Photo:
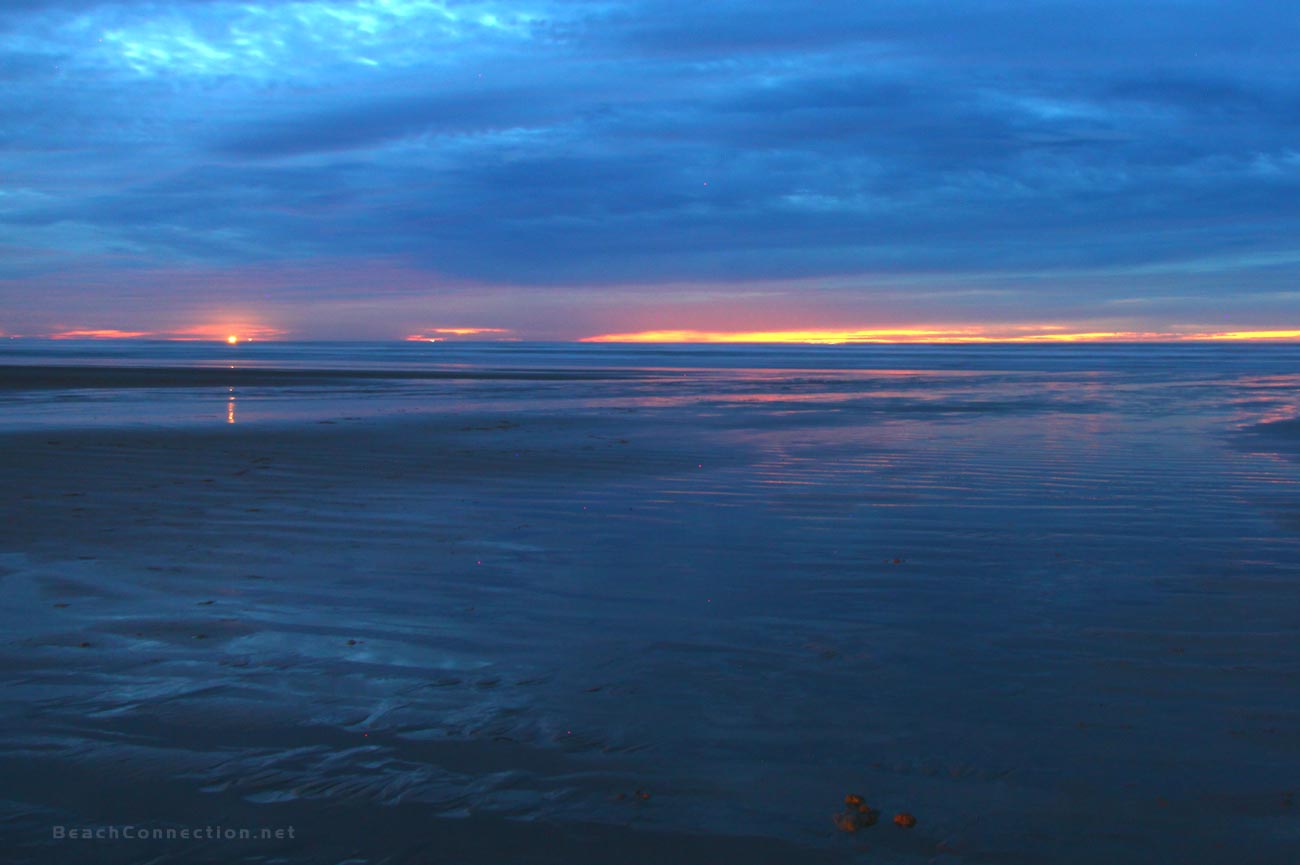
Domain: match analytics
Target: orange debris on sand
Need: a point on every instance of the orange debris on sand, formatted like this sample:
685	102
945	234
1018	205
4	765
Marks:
858	814
907	821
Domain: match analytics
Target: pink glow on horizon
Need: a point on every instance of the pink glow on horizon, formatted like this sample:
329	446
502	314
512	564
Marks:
101	334
201	333
223	333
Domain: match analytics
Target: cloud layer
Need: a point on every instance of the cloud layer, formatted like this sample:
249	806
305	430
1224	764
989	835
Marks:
558	169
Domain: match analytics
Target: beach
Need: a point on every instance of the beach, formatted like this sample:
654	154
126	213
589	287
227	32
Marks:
581	606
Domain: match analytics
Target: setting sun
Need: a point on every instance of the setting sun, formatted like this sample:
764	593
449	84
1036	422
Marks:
232	339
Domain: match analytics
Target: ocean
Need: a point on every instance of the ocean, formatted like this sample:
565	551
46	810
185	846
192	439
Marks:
522	602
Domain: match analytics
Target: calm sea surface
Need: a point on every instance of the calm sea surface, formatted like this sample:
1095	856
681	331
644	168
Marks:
1045	598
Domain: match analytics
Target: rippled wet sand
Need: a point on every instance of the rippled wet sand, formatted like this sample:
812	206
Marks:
670	617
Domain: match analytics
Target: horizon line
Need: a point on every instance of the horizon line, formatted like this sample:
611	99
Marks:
933	335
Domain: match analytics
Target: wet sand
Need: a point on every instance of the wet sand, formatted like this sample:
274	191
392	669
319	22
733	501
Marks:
660	627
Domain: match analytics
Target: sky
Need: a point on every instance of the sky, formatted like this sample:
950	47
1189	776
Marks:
384	169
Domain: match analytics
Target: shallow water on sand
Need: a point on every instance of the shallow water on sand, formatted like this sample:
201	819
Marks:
587	604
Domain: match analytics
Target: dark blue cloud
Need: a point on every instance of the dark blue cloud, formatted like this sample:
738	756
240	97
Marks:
385	118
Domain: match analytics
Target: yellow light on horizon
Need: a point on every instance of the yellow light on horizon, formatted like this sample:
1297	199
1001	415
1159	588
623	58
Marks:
232	339
1042	333
1252	334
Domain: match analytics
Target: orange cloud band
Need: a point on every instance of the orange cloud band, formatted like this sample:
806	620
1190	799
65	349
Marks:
437	333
